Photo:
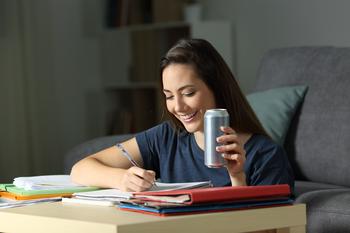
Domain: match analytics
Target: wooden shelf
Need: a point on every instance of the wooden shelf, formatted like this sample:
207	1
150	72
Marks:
133	86
150	26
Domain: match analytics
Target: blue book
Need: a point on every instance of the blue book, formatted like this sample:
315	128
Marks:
166	209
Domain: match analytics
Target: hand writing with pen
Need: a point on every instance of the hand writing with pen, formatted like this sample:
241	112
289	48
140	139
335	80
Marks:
136	179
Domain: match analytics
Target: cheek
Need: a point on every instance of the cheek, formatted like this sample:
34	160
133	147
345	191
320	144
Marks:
210	101
200	100
169	106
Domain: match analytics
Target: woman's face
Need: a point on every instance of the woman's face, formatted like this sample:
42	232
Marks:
187	96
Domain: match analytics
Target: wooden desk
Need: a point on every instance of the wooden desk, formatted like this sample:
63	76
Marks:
68	217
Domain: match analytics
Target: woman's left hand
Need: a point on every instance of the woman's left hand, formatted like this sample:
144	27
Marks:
232	148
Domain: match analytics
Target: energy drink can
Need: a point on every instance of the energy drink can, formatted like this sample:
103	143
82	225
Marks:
213	120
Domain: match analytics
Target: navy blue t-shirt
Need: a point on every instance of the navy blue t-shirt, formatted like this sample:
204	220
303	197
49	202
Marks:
176	157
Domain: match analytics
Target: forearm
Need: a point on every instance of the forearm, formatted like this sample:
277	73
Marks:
238	179
91	172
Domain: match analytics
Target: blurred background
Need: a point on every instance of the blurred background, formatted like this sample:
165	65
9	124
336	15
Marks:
74	70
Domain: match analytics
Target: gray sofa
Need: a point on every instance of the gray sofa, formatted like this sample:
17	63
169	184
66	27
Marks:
318	140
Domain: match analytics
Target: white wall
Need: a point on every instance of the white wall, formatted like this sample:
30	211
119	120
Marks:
48	68
75	69
265	24
14	132
63	71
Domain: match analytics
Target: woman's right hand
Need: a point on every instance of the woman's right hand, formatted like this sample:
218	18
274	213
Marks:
136	179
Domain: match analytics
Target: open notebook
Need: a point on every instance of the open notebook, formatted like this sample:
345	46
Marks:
118	195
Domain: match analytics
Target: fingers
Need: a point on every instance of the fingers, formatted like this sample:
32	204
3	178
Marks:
146	175
232	149
230	142
235	158
227	129
137	179
229	135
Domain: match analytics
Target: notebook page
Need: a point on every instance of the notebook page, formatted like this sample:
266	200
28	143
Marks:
116	193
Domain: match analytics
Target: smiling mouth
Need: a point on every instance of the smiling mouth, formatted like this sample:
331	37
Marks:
188	117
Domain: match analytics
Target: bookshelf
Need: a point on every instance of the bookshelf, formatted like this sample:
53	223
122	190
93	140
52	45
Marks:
129	70
129	64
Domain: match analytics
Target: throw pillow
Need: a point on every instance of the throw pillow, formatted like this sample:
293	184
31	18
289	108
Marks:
275	109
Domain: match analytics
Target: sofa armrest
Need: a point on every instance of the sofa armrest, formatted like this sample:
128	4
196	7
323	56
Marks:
90	147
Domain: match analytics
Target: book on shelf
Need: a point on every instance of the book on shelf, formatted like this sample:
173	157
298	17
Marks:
120	13
168	10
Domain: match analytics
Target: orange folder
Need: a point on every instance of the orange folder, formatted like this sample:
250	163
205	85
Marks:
14	196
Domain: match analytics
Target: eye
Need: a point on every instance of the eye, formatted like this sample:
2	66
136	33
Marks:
189	94
169	97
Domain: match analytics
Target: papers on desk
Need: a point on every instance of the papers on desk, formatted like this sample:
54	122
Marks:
104	194
37	189
115	196
90	201
9	203
160	186
116	193
49	182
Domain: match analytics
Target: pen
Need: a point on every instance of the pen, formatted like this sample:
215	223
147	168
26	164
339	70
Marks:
128	156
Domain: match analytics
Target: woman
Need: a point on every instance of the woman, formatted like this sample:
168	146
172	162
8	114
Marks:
194	78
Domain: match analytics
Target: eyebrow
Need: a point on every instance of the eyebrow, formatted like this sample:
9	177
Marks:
180	89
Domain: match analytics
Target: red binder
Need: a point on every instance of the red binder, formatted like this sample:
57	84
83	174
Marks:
219	194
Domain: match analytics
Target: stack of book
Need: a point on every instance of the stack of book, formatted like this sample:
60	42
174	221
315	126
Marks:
205	200
112	197
36	189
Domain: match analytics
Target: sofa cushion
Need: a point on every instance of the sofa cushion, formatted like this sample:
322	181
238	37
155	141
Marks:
275	109
301	187
317	142
327	210
90	147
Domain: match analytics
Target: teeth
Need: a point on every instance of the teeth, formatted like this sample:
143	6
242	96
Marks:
188	116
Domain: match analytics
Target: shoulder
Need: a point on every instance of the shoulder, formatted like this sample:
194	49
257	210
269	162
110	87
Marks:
262	148
261	143
160	132
162	127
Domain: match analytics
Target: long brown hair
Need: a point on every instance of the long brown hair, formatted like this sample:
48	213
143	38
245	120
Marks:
214	72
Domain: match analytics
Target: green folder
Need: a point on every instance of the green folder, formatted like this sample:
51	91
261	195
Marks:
3	187
22	192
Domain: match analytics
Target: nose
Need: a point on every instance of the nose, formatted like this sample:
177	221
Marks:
179	104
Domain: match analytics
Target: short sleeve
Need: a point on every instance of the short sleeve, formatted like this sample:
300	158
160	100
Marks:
152	143
269	165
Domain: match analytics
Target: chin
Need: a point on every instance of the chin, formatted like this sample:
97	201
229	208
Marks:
192	128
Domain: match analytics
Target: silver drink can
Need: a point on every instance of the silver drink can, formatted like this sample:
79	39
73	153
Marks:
213	120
